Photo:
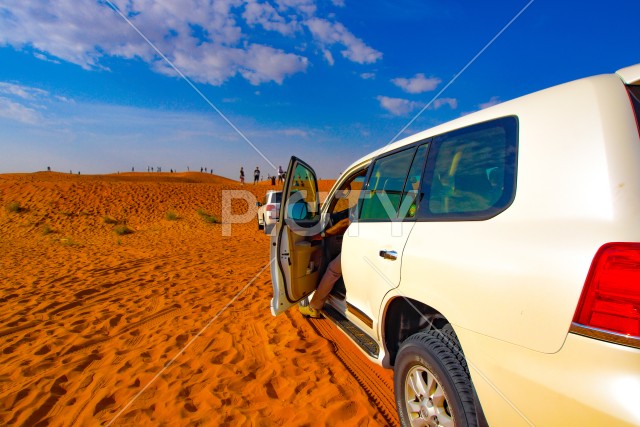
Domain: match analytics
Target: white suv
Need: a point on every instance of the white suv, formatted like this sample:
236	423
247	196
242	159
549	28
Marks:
493	261
269	210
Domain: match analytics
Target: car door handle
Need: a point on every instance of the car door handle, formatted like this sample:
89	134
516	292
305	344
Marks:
392	255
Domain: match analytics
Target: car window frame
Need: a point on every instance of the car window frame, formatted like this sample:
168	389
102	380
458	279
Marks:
634	97
412	146
427	144
511	125
332	200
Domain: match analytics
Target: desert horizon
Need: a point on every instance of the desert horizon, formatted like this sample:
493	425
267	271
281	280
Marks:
125	304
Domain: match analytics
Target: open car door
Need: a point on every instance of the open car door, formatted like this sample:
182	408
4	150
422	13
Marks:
294	257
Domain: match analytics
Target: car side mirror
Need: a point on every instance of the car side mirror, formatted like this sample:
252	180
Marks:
258	204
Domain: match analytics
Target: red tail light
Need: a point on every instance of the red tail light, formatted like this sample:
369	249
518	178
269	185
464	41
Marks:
269	208
610	299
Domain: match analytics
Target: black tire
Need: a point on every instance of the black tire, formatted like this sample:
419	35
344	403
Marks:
432	382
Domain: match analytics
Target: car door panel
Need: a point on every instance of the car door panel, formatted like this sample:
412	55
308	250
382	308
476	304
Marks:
369	276
373	246
294	275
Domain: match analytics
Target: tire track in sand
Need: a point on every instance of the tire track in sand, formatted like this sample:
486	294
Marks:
376	381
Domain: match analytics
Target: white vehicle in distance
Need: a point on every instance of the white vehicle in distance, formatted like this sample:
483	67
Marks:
493	262
269	210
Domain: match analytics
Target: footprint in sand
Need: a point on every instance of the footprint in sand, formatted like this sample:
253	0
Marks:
189	406
104	404
113	322
43	350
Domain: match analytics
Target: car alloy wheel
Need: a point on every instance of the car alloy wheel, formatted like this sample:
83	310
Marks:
432	382
425	399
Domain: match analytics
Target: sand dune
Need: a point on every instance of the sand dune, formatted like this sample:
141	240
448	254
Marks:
168	324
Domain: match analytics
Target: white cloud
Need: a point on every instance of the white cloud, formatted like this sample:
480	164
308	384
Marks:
207	40
329	33
417	84
62	30
338	3
27	104
22	103
24	92
263	63
328	56
398	106
295	132
268	17
305	7
451	102
42	57
14	111
368	76
256	63
64	99
490	103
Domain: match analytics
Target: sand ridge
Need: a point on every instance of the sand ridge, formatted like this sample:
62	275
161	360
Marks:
90	318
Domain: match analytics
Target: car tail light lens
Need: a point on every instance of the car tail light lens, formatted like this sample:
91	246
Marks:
610	299
269	208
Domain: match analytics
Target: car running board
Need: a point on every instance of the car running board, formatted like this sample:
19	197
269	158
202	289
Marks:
368	344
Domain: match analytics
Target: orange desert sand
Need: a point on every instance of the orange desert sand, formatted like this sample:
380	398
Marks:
167	325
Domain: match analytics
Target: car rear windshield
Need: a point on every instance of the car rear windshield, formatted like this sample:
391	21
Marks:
276	197
634	94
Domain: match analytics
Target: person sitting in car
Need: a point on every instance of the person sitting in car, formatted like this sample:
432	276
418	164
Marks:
331	275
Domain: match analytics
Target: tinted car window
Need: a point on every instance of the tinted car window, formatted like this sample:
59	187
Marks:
412	184
381	199
303	198
276	197
471	172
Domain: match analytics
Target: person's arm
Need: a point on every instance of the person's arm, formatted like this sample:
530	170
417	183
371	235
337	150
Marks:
339	228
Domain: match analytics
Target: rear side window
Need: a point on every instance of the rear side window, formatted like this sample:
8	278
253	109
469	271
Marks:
471	172
393	185
634	94
276	197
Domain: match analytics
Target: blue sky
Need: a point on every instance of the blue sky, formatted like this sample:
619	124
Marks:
328	81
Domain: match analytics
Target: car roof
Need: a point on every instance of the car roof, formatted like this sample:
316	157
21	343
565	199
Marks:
629	75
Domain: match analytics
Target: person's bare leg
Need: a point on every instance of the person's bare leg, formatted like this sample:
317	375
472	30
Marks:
330	277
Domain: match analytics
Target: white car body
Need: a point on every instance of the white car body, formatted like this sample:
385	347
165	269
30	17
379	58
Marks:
510	282
269	210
